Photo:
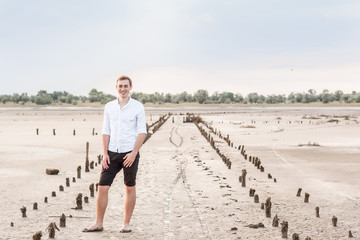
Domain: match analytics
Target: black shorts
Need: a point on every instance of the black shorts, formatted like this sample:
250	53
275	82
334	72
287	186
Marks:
116	164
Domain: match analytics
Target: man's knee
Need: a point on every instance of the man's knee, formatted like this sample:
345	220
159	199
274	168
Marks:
103	189
130	189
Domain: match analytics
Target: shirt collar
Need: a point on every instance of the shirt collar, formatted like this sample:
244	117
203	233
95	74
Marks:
130	99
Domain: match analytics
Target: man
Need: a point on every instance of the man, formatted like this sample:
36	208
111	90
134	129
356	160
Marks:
123	133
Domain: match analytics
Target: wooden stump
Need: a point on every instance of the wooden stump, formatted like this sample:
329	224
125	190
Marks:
37	131
86	199
262	169
284	229
11	224
37	236
269	176
45	200
61	188
251	192
93	131
317	210
99	158
243	178
51	229
74	132
268	207
79	202
306	197
92	165
91	188
350	234
74	179
256	198
23	211
299	192
53	194
295	236
79	172
52	171
87	158
54	132
275	222
63	220
68	182
35	206
334	221
275	180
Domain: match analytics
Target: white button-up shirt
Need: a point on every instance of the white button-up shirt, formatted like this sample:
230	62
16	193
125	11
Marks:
123	124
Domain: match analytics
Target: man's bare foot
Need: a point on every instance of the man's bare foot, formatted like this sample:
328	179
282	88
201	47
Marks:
93	228
125	229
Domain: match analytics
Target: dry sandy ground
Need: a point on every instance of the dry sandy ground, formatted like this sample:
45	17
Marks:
184	190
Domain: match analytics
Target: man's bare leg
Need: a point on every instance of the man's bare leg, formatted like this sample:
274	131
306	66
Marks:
101	204
130	201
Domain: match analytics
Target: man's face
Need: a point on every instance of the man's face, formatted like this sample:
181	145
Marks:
123	88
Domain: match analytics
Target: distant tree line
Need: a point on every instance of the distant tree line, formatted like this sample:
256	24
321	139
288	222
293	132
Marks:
200	96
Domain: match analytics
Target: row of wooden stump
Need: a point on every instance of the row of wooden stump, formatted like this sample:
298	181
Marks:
257	163
74	132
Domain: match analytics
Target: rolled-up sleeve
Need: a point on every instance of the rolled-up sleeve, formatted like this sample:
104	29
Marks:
106	124
141	121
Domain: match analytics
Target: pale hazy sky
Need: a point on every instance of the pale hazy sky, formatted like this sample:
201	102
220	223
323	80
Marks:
174	46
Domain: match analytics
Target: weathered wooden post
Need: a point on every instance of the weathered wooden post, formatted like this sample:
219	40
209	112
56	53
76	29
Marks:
35	206
317	210
334	221
37	131
74	132
23	211
299	192
284	229
308	238
61	188
92	165
262	206
87	158
99	158
269	176
91	187
63	220
51	229
79	172
251	192
93	131
275	222
295	236
54	132
256	198
262	169
268	207
68	182
45	200
11	224
74	179
86	199
243	178
350	234
306	197
53	194
79	202
37	236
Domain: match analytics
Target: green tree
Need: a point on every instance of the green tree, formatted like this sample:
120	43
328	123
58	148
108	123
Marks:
201	95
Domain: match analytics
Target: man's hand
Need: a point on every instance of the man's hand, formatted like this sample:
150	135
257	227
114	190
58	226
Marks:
129	159
106	161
